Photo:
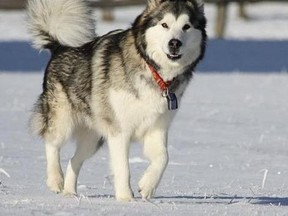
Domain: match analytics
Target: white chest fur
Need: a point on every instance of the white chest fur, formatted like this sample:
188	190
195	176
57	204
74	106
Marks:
137	113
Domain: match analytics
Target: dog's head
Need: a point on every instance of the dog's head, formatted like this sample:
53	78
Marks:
171	33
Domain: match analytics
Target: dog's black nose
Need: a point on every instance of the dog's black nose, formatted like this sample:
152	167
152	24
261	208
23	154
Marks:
175	44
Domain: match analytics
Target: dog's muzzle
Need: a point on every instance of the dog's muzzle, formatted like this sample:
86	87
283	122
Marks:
174	48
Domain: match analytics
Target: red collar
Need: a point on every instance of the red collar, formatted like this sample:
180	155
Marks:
161	83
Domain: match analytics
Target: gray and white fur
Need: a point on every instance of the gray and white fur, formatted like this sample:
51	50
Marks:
100	89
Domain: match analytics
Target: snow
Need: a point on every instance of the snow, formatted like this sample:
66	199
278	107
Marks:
228	154
228	144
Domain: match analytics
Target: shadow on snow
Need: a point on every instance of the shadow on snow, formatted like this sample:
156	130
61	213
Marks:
255	200
221	56
228	200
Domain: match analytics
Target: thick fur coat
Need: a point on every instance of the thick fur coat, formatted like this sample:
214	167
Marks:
100	89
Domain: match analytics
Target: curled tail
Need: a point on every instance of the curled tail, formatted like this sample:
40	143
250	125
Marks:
64	22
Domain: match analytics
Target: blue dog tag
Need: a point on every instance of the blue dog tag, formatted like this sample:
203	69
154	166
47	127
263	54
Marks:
172	101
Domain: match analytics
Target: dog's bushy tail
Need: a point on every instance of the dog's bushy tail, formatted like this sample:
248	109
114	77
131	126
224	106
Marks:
64	22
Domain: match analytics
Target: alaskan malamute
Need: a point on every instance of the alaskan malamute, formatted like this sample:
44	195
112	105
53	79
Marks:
121	87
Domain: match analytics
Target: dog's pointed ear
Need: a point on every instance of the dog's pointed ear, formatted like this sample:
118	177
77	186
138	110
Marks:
154	3
200	4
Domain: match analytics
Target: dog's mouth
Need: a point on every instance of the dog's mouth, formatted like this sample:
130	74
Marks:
174	57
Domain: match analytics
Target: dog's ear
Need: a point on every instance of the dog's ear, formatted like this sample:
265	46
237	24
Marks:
196	3
200	5
154	3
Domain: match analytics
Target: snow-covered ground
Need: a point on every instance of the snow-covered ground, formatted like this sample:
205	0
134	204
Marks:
228	154
228	144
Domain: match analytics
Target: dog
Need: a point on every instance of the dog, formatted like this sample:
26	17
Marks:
118	88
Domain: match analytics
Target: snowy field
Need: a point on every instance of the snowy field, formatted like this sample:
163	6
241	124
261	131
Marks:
228	144
228	154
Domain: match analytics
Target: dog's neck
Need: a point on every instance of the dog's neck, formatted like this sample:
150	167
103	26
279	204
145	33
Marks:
163	85
167	73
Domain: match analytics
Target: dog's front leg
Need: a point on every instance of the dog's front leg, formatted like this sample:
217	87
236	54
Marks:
119	150
155	149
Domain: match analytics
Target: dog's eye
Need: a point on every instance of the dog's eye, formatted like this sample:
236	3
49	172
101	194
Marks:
164	25
186	27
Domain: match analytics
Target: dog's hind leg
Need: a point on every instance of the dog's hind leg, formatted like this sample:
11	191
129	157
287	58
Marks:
55	137
88	142
52	120
155	149
54	171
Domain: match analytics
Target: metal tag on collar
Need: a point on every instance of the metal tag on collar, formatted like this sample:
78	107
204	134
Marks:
171	99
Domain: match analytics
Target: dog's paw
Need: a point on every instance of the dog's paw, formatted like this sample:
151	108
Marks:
68	193
146	188
146	193
125	197
56	185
